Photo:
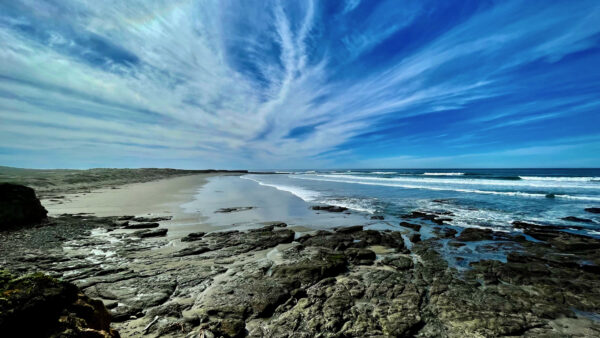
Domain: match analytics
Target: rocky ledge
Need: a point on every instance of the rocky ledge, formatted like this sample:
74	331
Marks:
40	306
349	282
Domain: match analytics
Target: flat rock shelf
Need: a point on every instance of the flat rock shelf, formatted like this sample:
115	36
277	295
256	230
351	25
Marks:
350	282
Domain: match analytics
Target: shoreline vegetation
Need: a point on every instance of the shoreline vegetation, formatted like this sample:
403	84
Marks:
135	275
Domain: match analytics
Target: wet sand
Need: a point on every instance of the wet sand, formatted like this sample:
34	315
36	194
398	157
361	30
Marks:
156	198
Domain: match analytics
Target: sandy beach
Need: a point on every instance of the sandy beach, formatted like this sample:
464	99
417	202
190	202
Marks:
162	197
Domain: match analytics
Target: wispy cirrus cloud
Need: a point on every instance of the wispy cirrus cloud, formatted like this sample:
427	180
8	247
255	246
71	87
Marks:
283	84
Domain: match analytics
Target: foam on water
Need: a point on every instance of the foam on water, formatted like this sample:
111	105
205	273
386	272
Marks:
358	204
304	194
443	174
560	179
479	182
446	188
483	198
465	217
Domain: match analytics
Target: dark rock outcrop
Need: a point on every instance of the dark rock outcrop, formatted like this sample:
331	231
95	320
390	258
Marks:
151	233
415	238
19	206
329	208
194	236
40	306
593	210
142	225
438	218
262	283
475	234
234	209
415	227
151	219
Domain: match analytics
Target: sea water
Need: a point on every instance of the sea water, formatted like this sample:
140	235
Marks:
484	198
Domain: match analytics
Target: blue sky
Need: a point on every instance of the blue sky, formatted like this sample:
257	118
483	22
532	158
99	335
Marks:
299	84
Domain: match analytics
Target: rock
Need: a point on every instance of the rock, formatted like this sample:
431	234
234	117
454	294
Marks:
350	229
235	209
593	210
352	237
456	244
232	328
329	208
333	240
119	223
142	225
189	251
194	236
564	241
265	228
151	219
320	263
415	227
57	308
360	256
577	219
475	234
568	242
433	217
19	206
441	221
400	262
420	214
151	233
125	218
445	232
415	238
377	217
327	283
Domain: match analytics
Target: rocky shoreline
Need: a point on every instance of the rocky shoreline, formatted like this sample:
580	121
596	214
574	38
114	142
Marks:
83	275
350	282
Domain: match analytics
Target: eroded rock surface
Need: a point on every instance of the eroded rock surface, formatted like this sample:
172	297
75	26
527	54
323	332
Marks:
19	206
40	306
350	282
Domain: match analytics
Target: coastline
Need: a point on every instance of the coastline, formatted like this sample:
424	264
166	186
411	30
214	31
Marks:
161	197
230	264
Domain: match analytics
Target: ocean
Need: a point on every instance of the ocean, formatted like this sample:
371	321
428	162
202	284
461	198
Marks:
483	198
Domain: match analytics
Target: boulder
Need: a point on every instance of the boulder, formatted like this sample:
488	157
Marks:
350	229
194	236
360	256
593	210
415	227
151	233
475	234
415	238
151	219
329	208
445	232
40	306
142	225
400	262
19	206
234	209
